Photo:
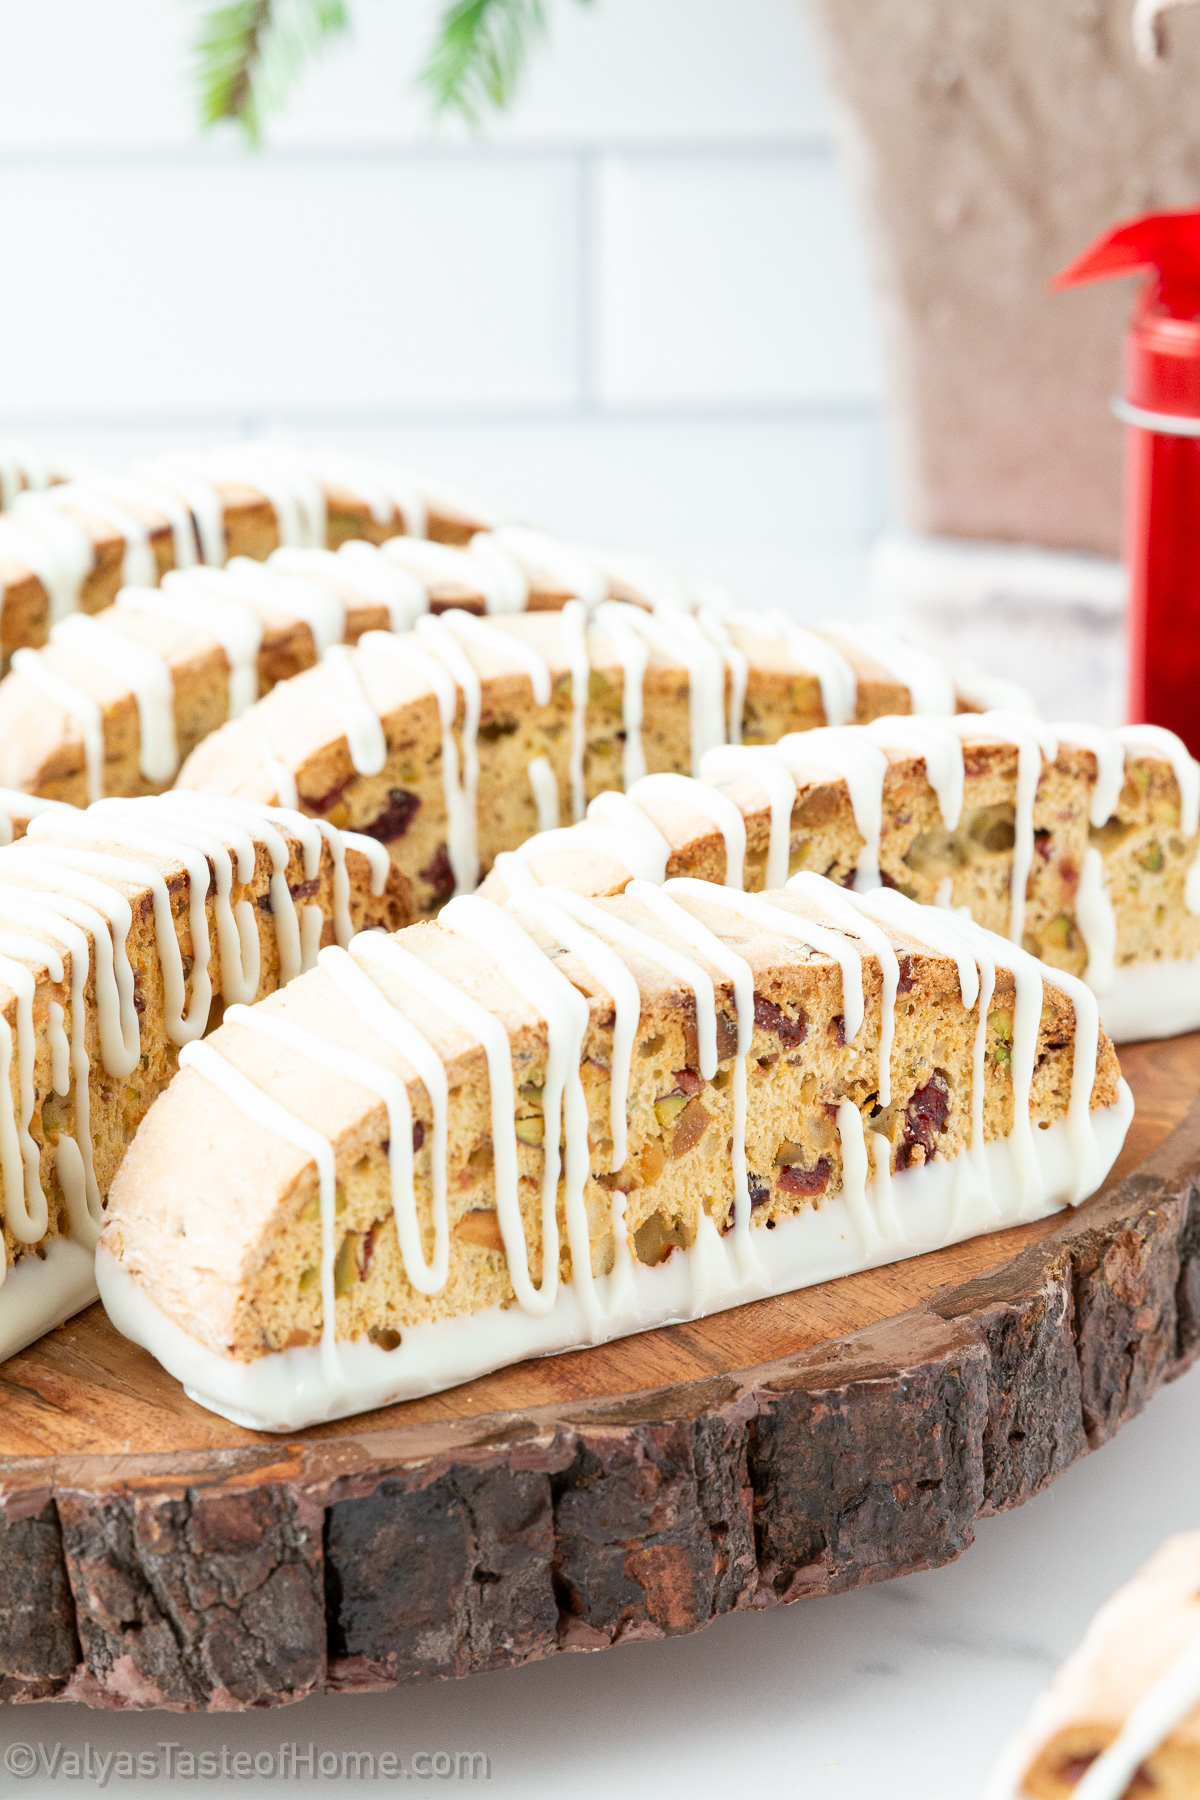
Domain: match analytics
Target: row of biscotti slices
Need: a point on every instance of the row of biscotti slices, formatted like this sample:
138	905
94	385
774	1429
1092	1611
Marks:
529	1127
457	741
1122	1716
124	932
452	746
69	544
116	701
1080	844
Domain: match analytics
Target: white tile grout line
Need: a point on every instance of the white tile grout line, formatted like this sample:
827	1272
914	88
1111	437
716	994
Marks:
801	145
589	324
817	413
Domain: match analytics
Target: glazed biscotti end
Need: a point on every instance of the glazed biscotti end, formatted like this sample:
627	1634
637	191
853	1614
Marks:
127	930
1124	1709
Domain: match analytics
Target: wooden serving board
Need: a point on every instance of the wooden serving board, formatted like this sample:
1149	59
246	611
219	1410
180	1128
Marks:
152	1554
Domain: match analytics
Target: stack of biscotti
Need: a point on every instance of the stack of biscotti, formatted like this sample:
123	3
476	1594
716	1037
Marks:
124	931
528	1127
1079	844
115	700
1122	1716
70	546
455	742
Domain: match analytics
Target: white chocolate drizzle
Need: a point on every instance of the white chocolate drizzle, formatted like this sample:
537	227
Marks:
751	763
614	827
711	804
62	894
461	830
321	609
666	904
346	698
357	574
544	785
929	685
862	765
57	549
574	625
79	705
140	668
550	562
199	597
1035	742
201	498
632	650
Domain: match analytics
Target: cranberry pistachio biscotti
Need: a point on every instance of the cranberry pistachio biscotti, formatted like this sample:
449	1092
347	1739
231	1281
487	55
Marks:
1081	845
457	741
531	1127
1122	1716
124	932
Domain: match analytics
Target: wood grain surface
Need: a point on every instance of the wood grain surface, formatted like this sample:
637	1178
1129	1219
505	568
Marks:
152	1554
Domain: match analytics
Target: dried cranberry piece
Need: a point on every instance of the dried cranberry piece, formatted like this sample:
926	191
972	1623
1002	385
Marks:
688	1081
906	974
795	1180
325	801
366	1251
439	875
392	823
924	1117
770	1017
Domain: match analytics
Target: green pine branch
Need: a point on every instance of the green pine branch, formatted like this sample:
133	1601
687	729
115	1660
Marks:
480	52
249	53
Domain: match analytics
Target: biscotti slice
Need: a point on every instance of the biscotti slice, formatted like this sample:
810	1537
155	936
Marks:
115	701
527	1128
124	931
456	742
1122	1716
1079	844
70	548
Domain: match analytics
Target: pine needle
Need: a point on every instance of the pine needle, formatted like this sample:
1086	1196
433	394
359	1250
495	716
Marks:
250	53
480	54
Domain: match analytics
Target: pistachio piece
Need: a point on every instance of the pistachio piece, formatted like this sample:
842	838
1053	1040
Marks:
668	1109
531	1131
345	1268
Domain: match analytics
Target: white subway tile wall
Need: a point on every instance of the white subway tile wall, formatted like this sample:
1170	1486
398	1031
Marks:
636	305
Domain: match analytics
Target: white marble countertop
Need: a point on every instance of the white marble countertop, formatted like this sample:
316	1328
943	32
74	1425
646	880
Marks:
906	1689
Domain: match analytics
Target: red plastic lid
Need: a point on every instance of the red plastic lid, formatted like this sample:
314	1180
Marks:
1162	360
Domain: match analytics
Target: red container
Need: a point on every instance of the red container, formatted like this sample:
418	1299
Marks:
1161	408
